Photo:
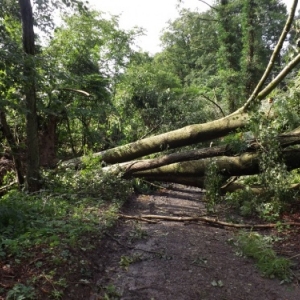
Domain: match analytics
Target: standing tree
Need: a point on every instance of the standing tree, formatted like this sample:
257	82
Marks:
32	174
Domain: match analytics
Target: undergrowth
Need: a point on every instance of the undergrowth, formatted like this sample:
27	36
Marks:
259	248
72	211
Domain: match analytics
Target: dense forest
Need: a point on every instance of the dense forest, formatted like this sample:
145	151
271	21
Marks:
86	117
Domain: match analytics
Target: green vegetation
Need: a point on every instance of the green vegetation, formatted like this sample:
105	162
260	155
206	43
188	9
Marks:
260	249
52	227
82	87
213	181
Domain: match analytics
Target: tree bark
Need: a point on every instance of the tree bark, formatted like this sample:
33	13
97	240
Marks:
177	138
33	175
195	170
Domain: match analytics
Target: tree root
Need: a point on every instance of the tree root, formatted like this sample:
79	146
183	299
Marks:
212	221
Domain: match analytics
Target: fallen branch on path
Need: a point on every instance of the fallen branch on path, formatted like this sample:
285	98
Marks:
213	221
136	218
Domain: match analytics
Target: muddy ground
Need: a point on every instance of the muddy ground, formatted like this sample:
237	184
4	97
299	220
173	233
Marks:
180	261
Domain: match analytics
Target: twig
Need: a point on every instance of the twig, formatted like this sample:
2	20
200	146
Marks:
76	91
136	218
212	7
150	131
216	104
155	185
294	256
7	187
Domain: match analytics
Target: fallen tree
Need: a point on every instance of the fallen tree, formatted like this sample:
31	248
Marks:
190	167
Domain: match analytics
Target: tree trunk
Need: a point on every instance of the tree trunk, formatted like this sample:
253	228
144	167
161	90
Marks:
48	142
33	176
13	146
194	171
188	135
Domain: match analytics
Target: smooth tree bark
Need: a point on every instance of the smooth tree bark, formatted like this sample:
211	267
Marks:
32	170
250	146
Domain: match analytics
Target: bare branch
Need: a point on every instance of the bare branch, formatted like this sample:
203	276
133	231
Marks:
76	91
216	104
212	7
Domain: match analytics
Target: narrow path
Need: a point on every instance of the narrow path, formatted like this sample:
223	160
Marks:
178	261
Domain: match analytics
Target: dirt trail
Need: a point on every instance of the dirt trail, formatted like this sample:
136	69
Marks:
177	261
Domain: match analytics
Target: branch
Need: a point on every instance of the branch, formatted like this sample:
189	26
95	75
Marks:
213	102
272	85
135	166
76	91
215	221
150	131
276	51
212	7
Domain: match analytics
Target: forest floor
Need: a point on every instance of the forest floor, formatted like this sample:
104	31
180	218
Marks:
160	260
183	260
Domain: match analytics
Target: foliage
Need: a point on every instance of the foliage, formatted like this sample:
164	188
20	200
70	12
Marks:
236	141
73	210
260	249
244	201
21	292
226	49
213	181
111	293
88	53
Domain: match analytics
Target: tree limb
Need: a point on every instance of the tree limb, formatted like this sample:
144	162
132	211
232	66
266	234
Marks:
76	91
216	104
215	221
275	53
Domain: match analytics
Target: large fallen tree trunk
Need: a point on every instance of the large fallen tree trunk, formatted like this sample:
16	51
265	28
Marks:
177	138
285	140
245	164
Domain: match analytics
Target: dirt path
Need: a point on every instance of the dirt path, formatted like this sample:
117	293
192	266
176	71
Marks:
177	261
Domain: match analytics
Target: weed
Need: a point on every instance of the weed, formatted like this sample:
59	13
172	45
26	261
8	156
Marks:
260	249
126	261
111	293
137	233
21	292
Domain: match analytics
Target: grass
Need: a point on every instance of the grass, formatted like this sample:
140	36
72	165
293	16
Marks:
260	249
46	238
